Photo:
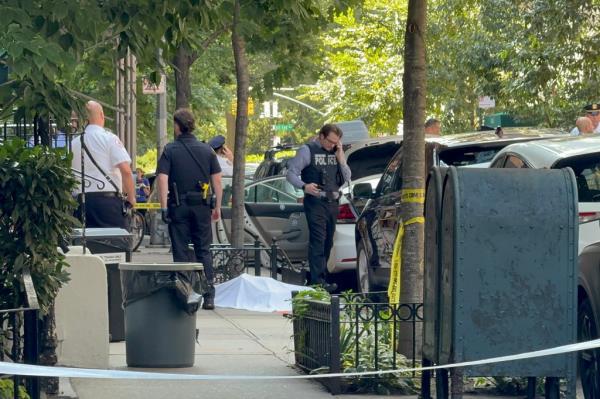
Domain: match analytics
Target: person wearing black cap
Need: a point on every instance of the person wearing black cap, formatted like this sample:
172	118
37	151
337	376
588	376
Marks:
187	172
320	169
224	154
592	111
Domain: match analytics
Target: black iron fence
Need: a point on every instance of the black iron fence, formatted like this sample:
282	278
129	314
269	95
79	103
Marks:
356	332
34	132
20	340
229	262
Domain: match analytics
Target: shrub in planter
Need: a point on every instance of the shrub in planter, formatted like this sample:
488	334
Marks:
36	208
364	345
6	390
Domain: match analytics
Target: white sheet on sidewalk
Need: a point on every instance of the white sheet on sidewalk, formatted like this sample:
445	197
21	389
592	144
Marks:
260	294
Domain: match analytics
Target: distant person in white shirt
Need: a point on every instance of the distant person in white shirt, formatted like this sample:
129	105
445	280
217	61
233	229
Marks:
108	175
224	154
584	125
592	111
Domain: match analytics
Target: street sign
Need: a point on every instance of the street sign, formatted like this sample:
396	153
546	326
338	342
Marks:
486	102
283	127
151	88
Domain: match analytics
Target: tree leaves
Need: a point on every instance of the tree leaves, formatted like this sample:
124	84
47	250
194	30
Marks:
35	210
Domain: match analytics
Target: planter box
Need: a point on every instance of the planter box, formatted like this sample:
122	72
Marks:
353	333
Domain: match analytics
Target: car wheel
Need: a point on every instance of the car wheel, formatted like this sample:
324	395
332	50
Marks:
363	272
589	360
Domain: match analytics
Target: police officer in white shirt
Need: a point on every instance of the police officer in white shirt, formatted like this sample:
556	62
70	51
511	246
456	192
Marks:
109	171
592	111
224	154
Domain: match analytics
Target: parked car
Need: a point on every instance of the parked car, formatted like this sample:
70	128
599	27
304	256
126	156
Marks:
367	160
582	155
377	225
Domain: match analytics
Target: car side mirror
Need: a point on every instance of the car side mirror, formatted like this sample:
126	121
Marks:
362	191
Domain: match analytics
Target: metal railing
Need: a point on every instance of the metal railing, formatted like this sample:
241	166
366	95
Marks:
229	262
30	131
354	332
12	324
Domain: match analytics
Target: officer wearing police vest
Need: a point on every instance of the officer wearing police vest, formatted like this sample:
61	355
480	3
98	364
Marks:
188	176
320	169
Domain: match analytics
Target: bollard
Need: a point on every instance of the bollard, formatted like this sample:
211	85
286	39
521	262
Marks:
257	257
274	259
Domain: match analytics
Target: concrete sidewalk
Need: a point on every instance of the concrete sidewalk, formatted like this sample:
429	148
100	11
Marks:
230	342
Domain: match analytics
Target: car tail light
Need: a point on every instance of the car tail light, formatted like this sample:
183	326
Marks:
346	214
585	217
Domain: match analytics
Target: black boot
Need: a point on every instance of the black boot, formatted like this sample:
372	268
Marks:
209	298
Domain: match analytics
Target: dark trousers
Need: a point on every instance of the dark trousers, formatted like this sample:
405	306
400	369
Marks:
321	217
101	211
192	224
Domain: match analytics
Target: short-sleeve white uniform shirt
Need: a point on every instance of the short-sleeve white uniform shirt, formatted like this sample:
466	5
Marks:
108	151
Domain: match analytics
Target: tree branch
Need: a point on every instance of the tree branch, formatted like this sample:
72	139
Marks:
208	42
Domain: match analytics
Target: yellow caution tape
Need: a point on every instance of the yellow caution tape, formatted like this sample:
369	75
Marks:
413	195
147	205
395	273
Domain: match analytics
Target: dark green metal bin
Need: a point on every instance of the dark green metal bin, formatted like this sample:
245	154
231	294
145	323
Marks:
509	269
432	269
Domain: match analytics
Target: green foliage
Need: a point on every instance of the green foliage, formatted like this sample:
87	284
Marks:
509	386
368	349
36	209
515	51
6	389
147	162
363	65
300	301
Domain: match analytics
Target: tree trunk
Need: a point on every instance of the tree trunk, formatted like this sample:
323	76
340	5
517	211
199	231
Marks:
183	60
241	130
413	169
43	131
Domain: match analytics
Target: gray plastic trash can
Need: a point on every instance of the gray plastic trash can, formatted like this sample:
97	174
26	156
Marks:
113	245
158	332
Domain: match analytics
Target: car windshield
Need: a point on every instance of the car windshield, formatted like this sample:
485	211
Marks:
470	155
587	174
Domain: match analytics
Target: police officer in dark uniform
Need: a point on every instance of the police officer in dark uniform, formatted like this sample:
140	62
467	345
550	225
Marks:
320	169
188	171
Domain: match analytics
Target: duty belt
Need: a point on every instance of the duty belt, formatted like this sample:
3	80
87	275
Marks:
330	196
